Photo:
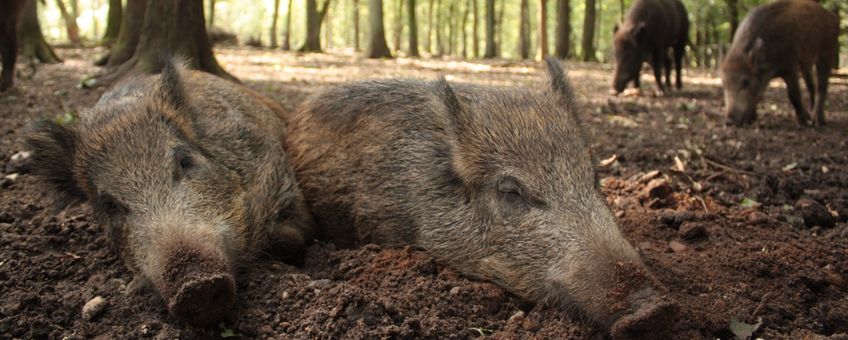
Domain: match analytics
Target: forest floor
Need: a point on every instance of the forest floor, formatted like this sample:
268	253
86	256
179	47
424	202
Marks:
736	239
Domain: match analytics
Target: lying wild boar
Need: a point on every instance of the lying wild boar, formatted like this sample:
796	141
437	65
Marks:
188	175
650	28
780	39
497	183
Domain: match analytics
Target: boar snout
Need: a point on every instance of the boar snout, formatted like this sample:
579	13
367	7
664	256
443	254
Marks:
649	313
197	286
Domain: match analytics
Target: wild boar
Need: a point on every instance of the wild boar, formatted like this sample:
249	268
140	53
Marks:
10	15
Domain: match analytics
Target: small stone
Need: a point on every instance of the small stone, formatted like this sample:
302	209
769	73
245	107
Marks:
517	317
455	290
285	295
692	231
833	277
815	214
719	306
93	307
19	162
677	246
757	217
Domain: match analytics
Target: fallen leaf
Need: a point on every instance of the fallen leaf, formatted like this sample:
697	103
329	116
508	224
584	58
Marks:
742	330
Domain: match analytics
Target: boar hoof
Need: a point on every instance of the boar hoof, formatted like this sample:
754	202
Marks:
653	317
204	300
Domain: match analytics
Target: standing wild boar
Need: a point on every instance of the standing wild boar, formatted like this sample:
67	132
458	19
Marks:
10	15
650	28
497	183
188	175
780	39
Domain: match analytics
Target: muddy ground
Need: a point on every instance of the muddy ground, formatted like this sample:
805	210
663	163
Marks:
715	212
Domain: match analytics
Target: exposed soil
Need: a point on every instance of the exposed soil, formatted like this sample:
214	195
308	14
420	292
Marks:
713	210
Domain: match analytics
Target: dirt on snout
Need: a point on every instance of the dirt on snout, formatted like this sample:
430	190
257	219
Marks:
745	227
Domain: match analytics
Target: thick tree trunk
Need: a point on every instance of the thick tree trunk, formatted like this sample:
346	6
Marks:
377	47
440	49
314	17
543	29
171	28
588	41
475	37
274	16
130	32
463	30
356	46
451	27
70	24
499	29
113	22
287	32
33	45
413	28
524	30
563	28
490	29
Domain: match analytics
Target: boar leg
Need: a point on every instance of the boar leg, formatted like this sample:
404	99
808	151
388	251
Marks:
656	64
823	68
667	65
807	74
794	90
678	63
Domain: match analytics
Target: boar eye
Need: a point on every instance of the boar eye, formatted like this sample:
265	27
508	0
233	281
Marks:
745	82
283	214
110	206
510	191
184	163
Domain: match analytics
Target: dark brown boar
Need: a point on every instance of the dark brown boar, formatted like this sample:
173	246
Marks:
10	15
188	175
497	183
650	28
779	40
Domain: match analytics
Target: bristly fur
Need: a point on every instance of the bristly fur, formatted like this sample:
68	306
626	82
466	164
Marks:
53	162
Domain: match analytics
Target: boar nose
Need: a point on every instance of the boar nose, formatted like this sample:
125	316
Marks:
650	313
204	299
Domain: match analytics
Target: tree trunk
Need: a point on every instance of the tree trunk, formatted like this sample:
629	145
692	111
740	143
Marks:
490	29
356	46
171	28
563	28
523	31
588	41
475	37
287	32
273	35
398	26
543	29
440	50
429	29
598	14
113	22
499	29
70	24
377	47
33	45
314	16
211	13
622	9
463	29
328	29
732	16
130	32
413	28
451	27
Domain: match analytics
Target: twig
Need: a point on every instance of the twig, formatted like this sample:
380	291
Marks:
728	168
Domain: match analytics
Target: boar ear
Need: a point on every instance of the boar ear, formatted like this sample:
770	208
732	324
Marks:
445	92
615	29
53	147
170	87
560	85
755	51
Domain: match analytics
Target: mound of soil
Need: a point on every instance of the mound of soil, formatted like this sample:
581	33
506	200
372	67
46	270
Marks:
729	219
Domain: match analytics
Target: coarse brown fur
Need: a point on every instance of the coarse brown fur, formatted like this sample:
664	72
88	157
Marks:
182	167
780	40
649	30
498	183
10	17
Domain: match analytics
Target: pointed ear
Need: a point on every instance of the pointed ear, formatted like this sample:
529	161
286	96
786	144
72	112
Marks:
454	108
170	87
639	31
53	147
560	85
615	29
755	52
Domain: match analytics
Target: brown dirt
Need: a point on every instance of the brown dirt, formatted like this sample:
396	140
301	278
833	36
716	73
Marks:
719	260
